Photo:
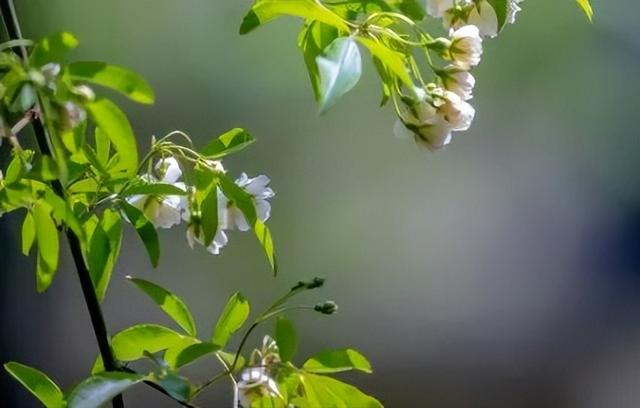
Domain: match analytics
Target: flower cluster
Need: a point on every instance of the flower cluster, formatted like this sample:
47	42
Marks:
434	110
166	211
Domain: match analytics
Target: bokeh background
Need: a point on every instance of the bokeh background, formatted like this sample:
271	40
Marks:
503	272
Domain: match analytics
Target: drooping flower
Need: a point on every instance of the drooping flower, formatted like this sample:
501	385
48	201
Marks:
466	47
484	16
220	240
257	381
458	81
164	211
232	217
432	120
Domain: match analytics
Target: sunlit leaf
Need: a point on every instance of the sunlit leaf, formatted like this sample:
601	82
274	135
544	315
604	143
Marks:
327	392
229	142
194	352
335	361
100	389
264	11
112	76
146	231
393	60
38	383
48	245
171	304
104	249
179	388
28	233
114	123
286	338
53	49
233	316
340	68
160	189
585	5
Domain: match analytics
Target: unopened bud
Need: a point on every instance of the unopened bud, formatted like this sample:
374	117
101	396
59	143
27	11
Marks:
313	284
329	307
85	93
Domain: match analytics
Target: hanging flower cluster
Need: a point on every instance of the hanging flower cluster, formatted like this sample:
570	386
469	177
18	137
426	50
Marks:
168	210
429	107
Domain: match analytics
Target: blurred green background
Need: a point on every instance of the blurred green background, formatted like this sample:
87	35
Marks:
501	272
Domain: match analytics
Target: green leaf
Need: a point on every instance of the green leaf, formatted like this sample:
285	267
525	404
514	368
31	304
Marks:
131	344
585	5
264	11
340	68
192	353
48	245
286	338
233	316
114	123
264	237
114	77
102	388
103	146
28	233
501	8
171	304
104	249
146	231
313	39
159	189
179	388
335	361
394	61
52	49
245	204
41	386
327	392
209	214
229	142
411	8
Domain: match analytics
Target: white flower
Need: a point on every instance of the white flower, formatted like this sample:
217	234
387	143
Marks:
437	8
466	46
431	122
73	114
512	10
163	211
220	240
484	17
458	81
255	383
232	218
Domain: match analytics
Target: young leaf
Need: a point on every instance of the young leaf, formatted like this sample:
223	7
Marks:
114	123
171	304
48	245
233	316
100	389
394	61
41	386
104	249
321	391
52	49
340	68
264	11
286	338
146	231
179	388
115	77
585	5
28	233
229	142
313	39
335	361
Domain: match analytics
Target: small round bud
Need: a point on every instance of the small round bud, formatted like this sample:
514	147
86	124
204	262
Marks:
329	307
85	93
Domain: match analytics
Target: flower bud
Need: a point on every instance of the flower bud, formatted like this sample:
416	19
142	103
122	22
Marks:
313	284
85	93
329	307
